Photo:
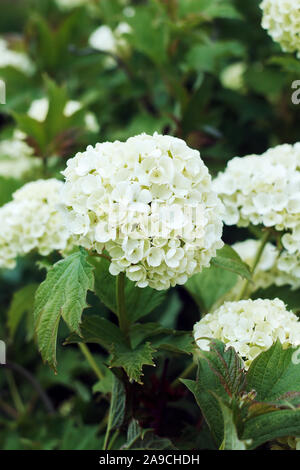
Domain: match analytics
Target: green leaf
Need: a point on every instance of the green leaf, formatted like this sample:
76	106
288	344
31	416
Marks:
220	372
32	128
7	187
212	57
22	302
139	438
162	338
208	9
150	33
228	259
210	285
132	360
63	293
55	121
139	302
231	440
274	373
95	329
117	404
269	426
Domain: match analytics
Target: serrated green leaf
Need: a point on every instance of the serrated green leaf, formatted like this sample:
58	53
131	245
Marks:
273	373
22	303
62	294
117	404
132	360
220	374
227	258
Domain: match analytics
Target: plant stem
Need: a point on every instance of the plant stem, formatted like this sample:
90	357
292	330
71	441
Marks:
257	258
87	354
106	438
121	310
184	374
114	437
14	392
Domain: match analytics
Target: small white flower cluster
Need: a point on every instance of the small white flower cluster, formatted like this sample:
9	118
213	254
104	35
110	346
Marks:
250	326
108	40
232	77
31	221
281	18
149	202
18	60
264	189
274	267
39	108
16	158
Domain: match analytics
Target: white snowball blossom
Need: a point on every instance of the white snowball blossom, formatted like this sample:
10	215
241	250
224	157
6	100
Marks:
16	158
250	326
274	267
149	202
108	40
18	60
39	108
281	18
264	189
31	221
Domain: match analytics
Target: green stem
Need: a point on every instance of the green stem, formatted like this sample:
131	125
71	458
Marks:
121	310
112	441
184	374
106	438
87	354
14	392
257	258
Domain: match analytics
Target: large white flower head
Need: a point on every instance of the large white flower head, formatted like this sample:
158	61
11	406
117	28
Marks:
264	189
149	202
39	108
31	221
18	60
16	158
250	326
281	18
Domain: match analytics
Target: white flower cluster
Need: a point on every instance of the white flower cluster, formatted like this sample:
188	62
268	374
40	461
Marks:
281	18
39	108
108	40
250	326
264	189
18	60
31	221
16	158
149	202
274	267
232	77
